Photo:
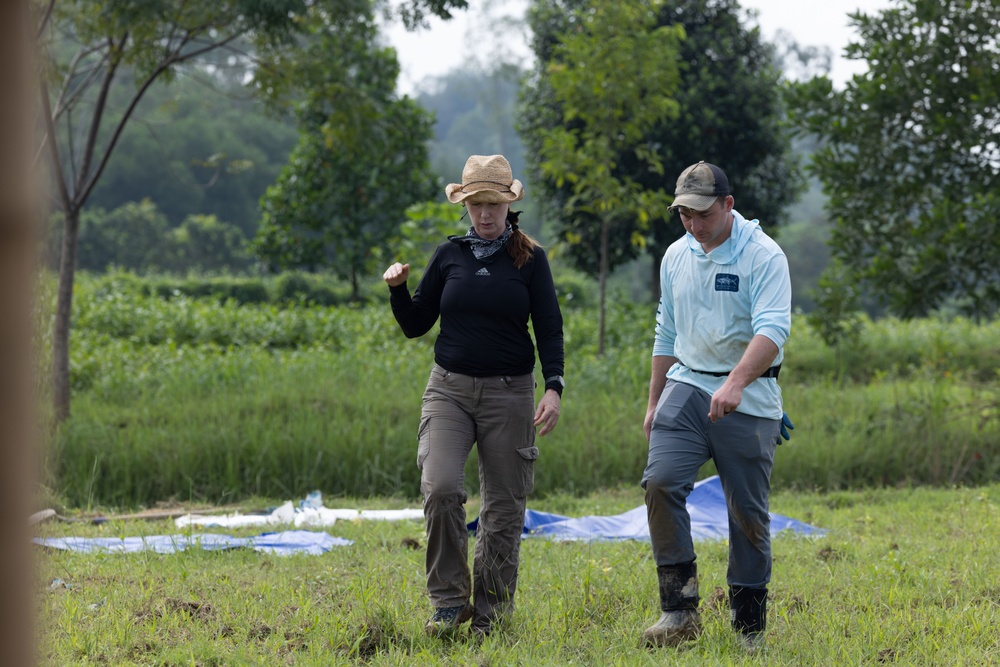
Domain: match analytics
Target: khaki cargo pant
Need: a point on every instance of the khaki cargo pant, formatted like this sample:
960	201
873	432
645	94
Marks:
497	414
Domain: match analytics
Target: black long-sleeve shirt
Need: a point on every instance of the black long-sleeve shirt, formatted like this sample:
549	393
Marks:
484	310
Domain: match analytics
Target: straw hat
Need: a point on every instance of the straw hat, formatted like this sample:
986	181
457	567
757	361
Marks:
489	178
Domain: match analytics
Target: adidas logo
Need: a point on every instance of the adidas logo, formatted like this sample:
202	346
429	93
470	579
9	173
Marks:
482	272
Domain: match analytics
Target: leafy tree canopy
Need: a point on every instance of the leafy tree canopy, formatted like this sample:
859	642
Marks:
910	156
153	38
730	113
130	237
612	75
360	162
201	145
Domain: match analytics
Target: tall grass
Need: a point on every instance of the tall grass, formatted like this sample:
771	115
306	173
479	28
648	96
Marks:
190	398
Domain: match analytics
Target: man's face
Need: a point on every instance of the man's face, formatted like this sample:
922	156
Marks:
710	227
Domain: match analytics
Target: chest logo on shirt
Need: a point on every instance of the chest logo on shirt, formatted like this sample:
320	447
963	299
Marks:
482	272
727	282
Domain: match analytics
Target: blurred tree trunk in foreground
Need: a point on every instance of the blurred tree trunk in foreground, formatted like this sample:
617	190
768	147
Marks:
17	255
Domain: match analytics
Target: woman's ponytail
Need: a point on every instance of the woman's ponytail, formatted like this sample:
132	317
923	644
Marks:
520	246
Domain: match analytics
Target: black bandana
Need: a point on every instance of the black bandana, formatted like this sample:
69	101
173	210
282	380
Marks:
486	250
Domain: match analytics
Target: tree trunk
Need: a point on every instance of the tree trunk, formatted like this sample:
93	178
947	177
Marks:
64	311
603	282
18	220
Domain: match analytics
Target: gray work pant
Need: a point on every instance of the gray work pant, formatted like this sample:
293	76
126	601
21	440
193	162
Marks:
497	414
742	447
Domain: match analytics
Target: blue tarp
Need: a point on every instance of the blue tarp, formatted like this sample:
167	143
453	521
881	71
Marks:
706	504
282	544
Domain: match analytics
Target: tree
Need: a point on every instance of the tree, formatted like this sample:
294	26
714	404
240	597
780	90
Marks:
910	158
154	39
205	243
612	74
202	144
420	234
837	319
18	437
474	114
132	236
352	176
731	113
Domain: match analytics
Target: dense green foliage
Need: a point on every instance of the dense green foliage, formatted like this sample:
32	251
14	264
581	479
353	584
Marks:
101	58
901	578
90	51
357	167
909	157
612	75
137	236
186	397
203	146
255	335
731	113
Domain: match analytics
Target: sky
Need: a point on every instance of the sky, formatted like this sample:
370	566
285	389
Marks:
469	37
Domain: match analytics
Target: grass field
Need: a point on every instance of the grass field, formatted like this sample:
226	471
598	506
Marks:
200	400
903	577
243	398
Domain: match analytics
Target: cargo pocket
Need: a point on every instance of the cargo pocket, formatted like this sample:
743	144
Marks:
422	445
528	456
682	408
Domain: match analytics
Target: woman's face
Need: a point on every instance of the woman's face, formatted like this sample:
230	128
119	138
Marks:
489	220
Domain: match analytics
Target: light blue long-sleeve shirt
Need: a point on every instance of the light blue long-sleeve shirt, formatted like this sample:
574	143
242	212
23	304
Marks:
712	305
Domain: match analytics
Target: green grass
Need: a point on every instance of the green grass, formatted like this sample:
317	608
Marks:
196	400
220	399
904	576
221	427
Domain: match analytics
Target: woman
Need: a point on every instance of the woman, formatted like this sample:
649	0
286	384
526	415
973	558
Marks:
485	286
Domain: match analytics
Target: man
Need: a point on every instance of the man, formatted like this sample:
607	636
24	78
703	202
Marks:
724	315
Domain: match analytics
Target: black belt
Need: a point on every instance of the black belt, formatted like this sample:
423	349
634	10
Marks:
771	372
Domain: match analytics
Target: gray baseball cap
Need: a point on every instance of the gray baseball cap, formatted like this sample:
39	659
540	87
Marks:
699	186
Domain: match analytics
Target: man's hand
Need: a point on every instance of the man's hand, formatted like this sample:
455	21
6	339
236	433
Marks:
647	424
725	400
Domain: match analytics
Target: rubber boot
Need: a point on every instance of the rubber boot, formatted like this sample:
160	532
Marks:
679	621
749	615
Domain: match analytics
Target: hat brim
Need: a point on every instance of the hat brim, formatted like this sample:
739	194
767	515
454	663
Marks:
456	194
694	202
